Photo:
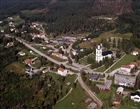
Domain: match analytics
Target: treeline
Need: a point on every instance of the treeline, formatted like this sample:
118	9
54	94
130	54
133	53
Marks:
133	19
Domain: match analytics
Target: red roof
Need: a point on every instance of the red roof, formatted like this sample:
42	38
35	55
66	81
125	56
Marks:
28	61
61	69
57	53
93	41
126	66
134	63
41	34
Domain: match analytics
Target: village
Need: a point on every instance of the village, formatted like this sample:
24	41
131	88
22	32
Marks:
61	49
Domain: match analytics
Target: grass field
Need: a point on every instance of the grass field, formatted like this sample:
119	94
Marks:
18	20
77	96
124	61
17	67
87	45
101	69
84	60
112	34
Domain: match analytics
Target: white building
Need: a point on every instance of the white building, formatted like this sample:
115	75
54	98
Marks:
62	72
119	90
135	53
101	55
135	96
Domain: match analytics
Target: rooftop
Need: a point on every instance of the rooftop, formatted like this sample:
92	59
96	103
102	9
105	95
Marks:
107	53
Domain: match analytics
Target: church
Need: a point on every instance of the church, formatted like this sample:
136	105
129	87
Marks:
101	55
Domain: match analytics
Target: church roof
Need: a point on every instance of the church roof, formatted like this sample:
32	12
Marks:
107	53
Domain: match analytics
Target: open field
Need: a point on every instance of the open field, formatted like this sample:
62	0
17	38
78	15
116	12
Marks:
124	61
77	97
18	20
111	33
87	45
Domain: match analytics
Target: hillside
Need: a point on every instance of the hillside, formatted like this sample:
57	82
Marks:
112	6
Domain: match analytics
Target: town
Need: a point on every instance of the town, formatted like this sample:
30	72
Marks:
108	76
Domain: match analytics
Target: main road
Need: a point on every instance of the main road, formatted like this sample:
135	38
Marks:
77	68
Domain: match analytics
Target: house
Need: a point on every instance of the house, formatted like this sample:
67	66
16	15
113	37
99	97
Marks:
68	83
28	69
62	72
117	99
119	90
93	41
133	64
10	44
93	77
28	61
125	80
135	96
41	35
135	53
21	53
57	54
46	70
92	106
105	87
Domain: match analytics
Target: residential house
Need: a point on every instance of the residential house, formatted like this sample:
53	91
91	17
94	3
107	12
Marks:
135	53
106	86
10	44
28	61
57	54
125	80
21	53
135	96
119	90
46	70
92	106
117	99
62	72
133	64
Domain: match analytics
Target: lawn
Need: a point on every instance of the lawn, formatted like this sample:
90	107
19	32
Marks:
101	69
87	45
124	61
84	60
128	104
112	34
77	96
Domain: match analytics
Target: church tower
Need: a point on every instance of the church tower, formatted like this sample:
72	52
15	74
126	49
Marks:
99	56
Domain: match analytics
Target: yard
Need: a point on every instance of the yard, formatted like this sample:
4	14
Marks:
77	97
87	45
101	69
124	61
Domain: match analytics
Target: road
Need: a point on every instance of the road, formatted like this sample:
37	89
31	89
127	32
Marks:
92	95
49	58
77	68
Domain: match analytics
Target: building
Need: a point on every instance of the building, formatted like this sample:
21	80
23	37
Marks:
124	80
117	99
119	90
21	53
93	77
10	44
106	86
135	53
28	61
135	96
46	70
62	72
101	55
92	106
126	69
